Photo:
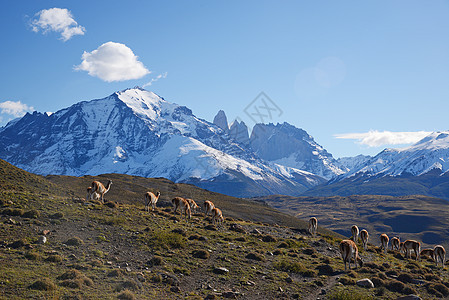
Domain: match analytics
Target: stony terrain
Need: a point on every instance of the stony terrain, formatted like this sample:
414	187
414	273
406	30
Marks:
117	250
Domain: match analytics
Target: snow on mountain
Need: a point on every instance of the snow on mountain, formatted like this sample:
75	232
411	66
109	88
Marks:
428	154
353	163
284	144
137	132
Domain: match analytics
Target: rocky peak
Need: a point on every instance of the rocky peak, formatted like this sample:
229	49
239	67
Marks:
239	132
221	121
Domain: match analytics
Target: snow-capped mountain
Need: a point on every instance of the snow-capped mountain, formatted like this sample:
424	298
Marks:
353	163
286	145
430	153
139	133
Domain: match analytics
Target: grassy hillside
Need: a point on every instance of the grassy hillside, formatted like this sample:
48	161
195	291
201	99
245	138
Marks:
119	251
408	217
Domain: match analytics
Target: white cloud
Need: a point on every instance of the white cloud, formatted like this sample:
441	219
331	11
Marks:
58	20
375	138
16	109
112	62
164	75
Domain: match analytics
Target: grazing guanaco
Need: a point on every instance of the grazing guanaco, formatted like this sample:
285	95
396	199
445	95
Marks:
98	187
395	243
151	199
410	245
184	206
348	250
208	207
355	233
217	216
426	252
384	242
439	255
364	236
193	205
313	224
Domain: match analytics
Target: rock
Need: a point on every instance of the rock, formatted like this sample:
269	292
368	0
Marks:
409	297
46	232
239	132
221	270
256	231
10	221
237	228
221	121
365	282
418	281
128	269
230	294
141	277
42	240
175	289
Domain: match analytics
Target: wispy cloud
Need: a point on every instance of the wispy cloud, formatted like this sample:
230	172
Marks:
375	138
112	62
58	20
16	109
164	75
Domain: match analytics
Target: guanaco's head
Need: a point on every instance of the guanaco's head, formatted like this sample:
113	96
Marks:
359	259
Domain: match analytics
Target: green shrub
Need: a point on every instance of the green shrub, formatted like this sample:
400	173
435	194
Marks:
126	295
203	254
294	267
32	256
128	285
75	241
269	238
12	212
43	284
255	256
441	288
71	283
71	274
348	295
115	273
347	281
168	240
155	261
395	286
31	214
54	258
58	215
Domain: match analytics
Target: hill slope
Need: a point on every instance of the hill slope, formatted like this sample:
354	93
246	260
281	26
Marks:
111	251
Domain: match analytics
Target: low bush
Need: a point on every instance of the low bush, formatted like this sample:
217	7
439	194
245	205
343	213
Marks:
43	284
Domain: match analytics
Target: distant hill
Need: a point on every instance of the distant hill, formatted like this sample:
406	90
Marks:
432	184
408	217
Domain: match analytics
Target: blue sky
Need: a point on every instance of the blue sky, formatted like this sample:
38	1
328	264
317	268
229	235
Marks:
348	69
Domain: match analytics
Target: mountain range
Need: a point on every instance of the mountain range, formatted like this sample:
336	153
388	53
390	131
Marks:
137	132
